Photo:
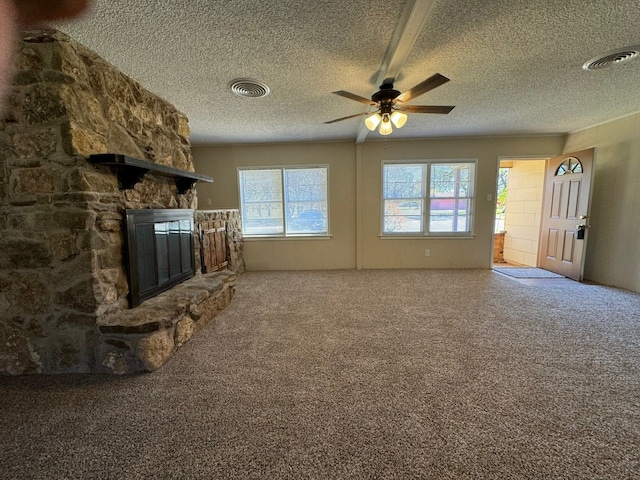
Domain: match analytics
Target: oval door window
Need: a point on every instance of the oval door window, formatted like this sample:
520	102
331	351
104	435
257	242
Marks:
570	165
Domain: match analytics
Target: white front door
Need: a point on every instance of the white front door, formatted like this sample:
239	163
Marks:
565	210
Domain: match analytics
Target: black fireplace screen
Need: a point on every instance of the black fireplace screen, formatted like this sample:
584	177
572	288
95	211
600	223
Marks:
160	251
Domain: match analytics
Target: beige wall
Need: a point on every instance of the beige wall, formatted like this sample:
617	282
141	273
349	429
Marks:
476	252
613	248
355	200
337	252
613	241
523	212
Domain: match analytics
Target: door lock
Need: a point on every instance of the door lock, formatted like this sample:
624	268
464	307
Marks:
580	230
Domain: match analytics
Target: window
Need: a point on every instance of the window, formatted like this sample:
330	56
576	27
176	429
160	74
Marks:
281	201
427	198
570	165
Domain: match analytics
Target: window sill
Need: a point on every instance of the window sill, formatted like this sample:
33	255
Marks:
261	238
469	236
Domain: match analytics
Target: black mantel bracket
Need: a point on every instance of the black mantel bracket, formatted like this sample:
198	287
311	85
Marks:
131	170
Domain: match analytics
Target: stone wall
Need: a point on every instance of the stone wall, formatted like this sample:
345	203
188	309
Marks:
61	218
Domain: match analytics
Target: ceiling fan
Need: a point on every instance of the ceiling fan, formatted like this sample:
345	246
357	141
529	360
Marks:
391	104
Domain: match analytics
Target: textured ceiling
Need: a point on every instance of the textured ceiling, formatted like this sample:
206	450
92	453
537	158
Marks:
514	65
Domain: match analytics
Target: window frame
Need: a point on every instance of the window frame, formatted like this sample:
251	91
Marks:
284	201
426	199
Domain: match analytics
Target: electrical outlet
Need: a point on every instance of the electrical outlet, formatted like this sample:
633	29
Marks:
209	201
427	253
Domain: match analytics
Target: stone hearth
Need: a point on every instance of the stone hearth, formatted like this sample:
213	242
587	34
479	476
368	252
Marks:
63	283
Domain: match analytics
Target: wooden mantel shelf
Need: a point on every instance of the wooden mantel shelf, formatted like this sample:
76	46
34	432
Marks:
131	170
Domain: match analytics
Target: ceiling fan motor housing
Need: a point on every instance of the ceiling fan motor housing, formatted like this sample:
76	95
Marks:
385	96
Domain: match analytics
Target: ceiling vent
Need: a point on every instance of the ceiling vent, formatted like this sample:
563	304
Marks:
615	57
244	87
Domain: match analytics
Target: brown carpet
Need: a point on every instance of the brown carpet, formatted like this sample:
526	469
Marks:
434	374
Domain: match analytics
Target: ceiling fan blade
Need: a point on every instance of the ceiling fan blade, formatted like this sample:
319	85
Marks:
348	117
423	87
424	108
355	97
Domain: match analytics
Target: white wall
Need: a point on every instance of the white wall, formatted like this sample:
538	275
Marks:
523	211
613	241
355	200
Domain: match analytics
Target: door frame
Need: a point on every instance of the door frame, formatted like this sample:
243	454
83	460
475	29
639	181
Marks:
514	158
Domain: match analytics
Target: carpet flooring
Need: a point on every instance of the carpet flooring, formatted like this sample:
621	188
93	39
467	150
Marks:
414	374
527	272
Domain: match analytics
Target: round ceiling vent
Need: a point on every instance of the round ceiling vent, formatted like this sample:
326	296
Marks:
613	58
244	87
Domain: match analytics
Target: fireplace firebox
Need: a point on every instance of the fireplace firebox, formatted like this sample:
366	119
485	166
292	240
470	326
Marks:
160	251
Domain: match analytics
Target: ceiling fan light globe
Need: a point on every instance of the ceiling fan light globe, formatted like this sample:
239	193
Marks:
385	128
373	121
399	119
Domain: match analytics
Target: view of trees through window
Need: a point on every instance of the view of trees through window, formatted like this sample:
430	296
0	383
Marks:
446	208
501	200
284	201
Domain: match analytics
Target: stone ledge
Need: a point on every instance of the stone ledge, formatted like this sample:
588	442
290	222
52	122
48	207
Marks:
164	307
144	338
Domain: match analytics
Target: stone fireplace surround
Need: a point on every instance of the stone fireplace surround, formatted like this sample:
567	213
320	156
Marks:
63	283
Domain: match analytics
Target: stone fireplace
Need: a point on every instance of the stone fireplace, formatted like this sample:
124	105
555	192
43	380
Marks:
65	295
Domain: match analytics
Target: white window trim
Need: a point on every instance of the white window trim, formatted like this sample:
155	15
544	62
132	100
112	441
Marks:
426	192
284	236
